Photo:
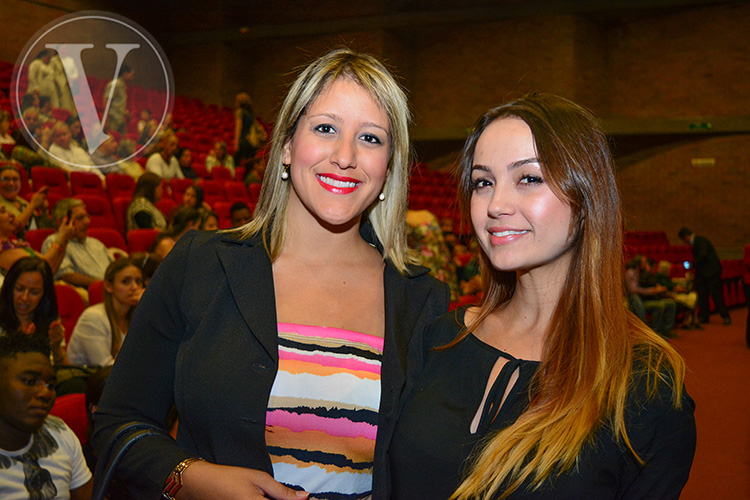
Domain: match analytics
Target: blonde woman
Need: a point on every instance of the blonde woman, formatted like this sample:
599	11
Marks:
99	332
287	343
550	388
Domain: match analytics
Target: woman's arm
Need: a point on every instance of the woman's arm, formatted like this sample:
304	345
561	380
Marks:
56	253
141	388
37	201
91	342
237	128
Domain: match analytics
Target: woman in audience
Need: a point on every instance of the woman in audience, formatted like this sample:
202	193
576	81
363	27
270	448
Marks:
100	330
229	321
210	222
550	388
193	197
25	212
185	218
5	137
28	305
12	249
142	212
130	167
185	160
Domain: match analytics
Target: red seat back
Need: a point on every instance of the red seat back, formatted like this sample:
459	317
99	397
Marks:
86	183
71	408
36	237
109	236
55	178
141	240
70	305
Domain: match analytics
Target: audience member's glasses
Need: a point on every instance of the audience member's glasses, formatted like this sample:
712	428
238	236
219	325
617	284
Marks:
10	179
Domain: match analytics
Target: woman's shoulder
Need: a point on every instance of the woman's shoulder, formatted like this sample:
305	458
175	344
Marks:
444	329
93	313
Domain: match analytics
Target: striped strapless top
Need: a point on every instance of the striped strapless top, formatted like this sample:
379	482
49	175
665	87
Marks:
323	410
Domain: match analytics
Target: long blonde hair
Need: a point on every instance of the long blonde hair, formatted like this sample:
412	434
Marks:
387	216
593	342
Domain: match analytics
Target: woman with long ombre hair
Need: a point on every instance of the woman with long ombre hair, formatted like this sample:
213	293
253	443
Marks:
549	388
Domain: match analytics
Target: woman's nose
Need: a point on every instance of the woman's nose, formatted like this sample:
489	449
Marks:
344	154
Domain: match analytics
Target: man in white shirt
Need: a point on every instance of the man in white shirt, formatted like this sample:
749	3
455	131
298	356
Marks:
164	164
67	154
40	457
86	258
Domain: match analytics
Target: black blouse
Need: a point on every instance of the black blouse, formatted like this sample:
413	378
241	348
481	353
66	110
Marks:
432	443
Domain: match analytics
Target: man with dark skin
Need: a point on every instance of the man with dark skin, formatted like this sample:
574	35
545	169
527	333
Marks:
40	457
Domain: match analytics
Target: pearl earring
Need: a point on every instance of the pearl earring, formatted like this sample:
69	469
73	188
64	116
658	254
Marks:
285	173
381	196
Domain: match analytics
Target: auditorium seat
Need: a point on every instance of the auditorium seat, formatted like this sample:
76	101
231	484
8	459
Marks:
86	183
99	209
109	236
71	408
120	185
55	178
70	305
35	237
141	240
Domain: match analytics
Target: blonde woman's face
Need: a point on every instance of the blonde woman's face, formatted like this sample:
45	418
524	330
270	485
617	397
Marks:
338	155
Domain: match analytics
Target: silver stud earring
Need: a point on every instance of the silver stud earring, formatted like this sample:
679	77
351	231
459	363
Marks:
285	173
381	196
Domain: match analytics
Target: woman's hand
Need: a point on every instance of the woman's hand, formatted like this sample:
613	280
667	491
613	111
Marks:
38	198
56	333
206	480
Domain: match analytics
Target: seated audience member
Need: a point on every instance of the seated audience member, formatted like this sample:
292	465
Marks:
680	292
256	168
147	263
76	131
40	457
12	249
163	163
142	212
185	218
28	305
67	155
425	236
146	126
86	258
100	330
28	215
649	299
127	165
185	160
193	197
45	109
105	155
219	157
210	222
5	137
240	214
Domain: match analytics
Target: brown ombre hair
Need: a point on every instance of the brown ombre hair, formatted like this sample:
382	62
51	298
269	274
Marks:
594	347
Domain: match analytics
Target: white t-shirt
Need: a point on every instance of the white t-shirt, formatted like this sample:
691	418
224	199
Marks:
157	165
60	457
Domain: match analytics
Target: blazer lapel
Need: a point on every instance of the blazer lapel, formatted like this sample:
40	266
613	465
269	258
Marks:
250	277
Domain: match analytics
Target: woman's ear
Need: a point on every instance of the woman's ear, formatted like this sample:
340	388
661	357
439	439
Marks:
108	286
286	154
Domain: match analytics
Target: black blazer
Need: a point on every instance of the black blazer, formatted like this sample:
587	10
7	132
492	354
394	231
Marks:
204	338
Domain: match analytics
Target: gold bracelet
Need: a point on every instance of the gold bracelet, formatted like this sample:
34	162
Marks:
174	481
